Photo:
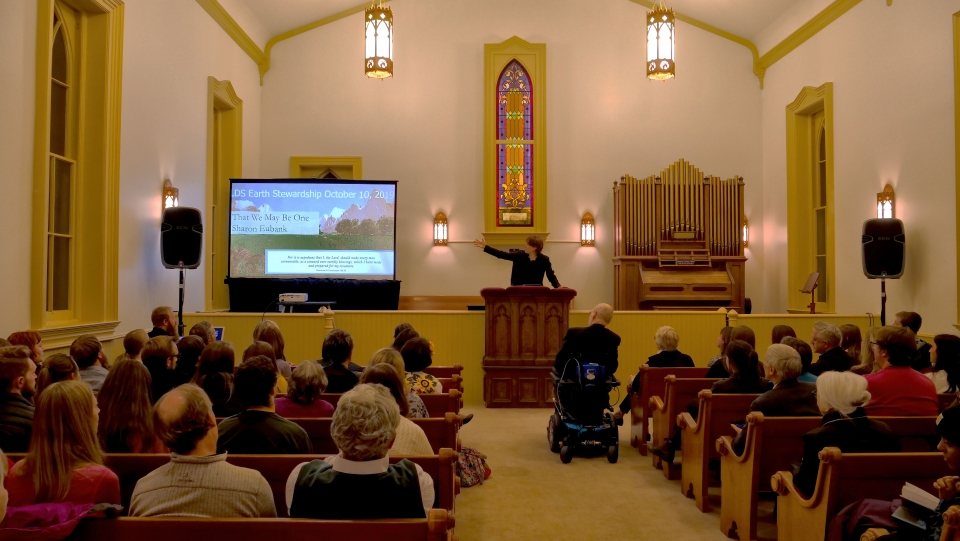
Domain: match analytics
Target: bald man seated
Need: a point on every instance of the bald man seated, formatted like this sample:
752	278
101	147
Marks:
594	343
197	482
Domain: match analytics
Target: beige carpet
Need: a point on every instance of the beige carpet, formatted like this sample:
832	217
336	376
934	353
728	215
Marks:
532	495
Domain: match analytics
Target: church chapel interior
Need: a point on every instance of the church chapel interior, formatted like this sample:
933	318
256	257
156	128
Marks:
698	191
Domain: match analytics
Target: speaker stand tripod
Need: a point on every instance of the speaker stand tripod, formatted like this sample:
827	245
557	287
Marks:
883	300
180	326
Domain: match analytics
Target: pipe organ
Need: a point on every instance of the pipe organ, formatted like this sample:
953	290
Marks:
678	241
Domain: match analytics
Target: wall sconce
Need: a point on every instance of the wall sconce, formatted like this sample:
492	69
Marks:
171	195
746	232
587	230
440	236
886	204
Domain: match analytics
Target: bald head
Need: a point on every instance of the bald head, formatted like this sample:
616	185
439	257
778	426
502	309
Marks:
183	418
602	314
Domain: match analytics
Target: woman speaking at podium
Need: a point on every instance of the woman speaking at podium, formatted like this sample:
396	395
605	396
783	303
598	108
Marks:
529	266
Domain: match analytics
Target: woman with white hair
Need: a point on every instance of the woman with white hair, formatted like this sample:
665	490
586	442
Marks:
841	397
668	356
364	428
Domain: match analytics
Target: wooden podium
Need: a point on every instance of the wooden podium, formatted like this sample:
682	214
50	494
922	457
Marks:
524	329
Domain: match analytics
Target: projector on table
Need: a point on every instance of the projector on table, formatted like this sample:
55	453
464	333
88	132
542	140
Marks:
292	298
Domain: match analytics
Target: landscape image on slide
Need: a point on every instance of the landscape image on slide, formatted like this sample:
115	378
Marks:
312	228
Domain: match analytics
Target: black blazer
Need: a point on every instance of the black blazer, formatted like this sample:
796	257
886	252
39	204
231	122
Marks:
526	272
852	434
593	344
664	359
835	359
789	398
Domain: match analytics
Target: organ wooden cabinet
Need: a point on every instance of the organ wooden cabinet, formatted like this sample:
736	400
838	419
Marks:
524	328
678	241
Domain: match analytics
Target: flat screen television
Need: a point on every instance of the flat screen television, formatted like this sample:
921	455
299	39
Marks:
319	228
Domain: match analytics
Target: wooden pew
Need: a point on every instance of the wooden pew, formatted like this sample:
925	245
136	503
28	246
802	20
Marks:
773	444
444	371
438	526
946	400
845	479
652	385
455	382
715	415
677	393
437	404
442	433
276	469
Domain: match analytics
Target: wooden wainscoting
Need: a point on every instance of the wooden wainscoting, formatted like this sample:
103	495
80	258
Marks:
422	302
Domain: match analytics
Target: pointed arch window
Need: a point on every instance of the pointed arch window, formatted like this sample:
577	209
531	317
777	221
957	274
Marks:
60	241
515	147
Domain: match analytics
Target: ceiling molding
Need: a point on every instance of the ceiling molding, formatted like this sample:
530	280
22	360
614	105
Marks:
233	30
760	62
808	30
714	30
265	66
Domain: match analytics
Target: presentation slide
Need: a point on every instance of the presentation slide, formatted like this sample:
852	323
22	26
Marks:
316	228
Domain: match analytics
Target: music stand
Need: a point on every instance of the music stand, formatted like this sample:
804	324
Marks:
811	287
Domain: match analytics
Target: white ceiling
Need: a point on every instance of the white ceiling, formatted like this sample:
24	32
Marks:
278	16
745	18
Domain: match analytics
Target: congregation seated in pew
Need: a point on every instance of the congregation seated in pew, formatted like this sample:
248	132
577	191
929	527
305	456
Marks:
945	356
789	397
268	331
947	512
258	430
18	384
742	333
841	397
126	418
64	462
722	340
741	363
263	348
897	389
410	438
826	340
339	487
198	482
806	358
391	356
215	376
417	355
667	341
337	354
307	383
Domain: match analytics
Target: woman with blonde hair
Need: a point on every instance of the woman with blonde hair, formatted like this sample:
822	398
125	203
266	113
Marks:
269	332
868	364
303	399
391	356
58	367
841	397
65	461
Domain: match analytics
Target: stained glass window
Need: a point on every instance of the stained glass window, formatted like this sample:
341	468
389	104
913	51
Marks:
515	147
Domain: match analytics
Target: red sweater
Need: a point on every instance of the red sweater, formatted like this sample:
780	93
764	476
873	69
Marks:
89	484
901	391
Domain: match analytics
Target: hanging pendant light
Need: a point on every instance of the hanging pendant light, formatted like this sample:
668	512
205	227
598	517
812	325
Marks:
660	43
378	29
